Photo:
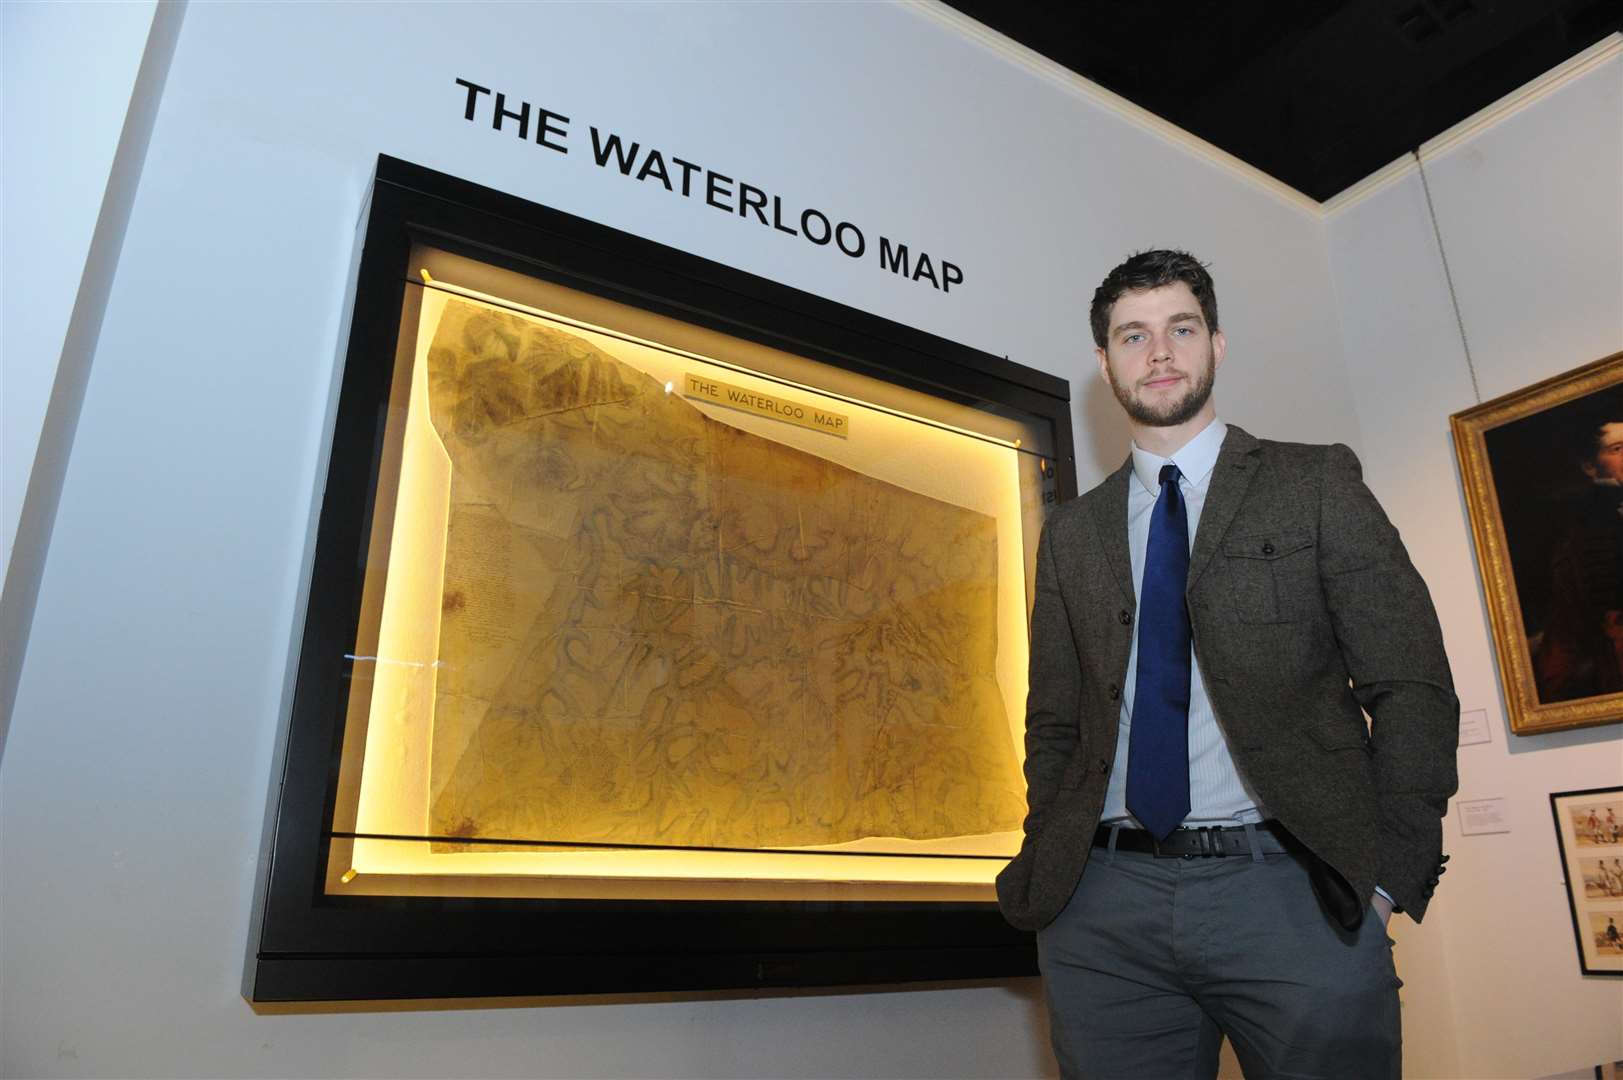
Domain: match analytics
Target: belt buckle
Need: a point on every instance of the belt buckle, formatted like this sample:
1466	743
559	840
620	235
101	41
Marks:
1210	840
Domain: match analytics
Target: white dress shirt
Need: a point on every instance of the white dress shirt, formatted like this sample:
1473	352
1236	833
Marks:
1218	794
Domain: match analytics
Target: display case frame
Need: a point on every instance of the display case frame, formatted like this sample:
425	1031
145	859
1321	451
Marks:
307	945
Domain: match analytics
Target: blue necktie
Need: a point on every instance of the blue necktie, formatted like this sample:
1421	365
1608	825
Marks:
1158	744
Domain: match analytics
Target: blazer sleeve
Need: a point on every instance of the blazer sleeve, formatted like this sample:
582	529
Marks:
1055	684
1390	639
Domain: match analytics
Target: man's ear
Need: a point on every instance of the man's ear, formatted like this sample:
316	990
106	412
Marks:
1104	364
1220	346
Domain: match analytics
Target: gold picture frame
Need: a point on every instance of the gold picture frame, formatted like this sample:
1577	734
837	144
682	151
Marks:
1547	520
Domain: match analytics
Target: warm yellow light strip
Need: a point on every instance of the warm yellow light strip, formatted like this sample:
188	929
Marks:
414	857
394	782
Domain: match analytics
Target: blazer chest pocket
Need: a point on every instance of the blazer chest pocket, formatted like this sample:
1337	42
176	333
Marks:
1273	575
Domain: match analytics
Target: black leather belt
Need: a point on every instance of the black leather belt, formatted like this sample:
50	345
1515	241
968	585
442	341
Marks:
1207	841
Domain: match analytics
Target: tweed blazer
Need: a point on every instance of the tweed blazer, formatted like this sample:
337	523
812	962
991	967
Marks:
1306	614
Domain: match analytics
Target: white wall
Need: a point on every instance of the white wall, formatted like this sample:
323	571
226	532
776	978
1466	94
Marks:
135	776
70	119
74	139
1531	215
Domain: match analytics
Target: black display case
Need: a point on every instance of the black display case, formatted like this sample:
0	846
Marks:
666	629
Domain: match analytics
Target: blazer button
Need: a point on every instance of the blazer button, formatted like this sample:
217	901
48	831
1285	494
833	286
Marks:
1267	549
1115	692
1126	617
1104	766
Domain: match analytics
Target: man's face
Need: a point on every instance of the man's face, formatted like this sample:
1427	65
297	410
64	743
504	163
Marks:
1160	357
1608	460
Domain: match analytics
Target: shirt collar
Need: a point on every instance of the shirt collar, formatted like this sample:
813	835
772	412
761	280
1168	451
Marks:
1195	459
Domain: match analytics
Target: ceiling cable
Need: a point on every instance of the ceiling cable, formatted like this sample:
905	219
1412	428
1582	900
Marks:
1459	320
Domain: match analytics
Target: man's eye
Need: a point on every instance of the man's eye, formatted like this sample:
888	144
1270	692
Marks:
1183	330
1132	339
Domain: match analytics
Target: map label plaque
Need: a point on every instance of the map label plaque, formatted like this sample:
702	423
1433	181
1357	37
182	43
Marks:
751	401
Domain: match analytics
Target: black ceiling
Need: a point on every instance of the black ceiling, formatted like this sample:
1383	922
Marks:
1316	93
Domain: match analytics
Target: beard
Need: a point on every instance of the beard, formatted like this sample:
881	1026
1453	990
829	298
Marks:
1173	412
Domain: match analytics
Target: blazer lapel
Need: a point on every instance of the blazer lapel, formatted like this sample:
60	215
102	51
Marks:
1109	516
1231	476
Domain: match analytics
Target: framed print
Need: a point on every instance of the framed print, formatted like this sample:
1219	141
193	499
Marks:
1543	476
1589	830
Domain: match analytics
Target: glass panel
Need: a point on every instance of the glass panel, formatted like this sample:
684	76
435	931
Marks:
652	611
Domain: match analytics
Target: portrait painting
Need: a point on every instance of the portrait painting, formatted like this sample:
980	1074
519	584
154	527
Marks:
1589	834
1543	476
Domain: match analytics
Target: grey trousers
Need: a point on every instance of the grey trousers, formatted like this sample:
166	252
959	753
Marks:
1153	961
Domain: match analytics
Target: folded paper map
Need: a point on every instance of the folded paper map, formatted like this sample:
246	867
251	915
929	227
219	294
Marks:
660	629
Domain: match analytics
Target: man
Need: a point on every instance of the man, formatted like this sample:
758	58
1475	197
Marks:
1578	653
1215	838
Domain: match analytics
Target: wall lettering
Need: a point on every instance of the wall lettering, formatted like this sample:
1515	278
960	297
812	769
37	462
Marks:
511	116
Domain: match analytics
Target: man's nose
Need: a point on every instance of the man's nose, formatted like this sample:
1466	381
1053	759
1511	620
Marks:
1160	349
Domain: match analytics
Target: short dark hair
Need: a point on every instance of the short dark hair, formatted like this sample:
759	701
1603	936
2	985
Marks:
1586	427
1152	270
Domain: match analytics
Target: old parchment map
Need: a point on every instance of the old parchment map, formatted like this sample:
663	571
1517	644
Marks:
659	629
